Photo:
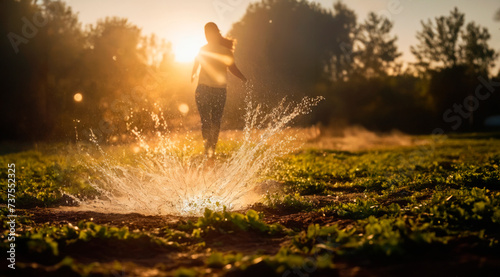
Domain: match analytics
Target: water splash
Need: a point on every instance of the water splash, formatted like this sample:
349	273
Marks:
167	176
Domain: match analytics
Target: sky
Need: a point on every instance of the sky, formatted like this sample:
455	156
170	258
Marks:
181	22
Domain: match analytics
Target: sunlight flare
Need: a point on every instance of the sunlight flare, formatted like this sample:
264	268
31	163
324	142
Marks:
186	48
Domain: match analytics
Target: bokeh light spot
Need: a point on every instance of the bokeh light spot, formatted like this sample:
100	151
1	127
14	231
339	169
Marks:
78	97
183	108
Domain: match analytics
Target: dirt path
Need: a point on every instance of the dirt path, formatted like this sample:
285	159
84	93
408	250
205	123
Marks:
73	215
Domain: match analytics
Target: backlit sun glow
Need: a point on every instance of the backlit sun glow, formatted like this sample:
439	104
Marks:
186	48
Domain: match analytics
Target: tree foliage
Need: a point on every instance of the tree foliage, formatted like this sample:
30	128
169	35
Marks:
475	49
378	50
287	45
287	48
453	54
444	44
344	31
48	57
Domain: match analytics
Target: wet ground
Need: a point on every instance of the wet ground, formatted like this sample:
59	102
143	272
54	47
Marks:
457	259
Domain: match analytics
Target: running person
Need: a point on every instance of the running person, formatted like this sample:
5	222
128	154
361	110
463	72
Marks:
214	58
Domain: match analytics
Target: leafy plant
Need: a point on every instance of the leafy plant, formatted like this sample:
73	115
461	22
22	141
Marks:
227	222
289	202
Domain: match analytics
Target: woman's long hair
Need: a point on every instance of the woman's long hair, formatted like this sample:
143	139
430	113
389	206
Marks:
212	33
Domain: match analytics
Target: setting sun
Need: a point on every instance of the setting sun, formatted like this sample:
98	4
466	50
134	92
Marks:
186	48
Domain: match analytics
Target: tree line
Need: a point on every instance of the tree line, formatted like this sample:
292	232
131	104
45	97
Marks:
296	48
48	58
58	75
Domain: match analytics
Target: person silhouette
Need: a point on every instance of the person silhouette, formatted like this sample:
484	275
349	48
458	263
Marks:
214	58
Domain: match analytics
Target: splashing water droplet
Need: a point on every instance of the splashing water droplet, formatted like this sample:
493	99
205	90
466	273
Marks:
167	176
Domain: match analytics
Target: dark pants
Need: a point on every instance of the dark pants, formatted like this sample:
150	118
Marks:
210	102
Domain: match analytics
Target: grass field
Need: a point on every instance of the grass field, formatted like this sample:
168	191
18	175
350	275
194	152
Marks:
430	208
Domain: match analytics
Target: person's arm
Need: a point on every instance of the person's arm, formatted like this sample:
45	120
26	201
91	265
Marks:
195	69
236	72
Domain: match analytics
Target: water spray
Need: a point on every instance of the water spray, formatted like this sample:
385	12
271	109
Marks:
168	177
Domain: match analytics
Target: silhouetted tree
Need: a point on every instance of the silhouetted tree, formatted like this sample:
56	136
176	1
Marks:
439	44
343	31
115	65
289	45
40	64
476	52
444	44
47	58
15	68
377	51
61	53
453	58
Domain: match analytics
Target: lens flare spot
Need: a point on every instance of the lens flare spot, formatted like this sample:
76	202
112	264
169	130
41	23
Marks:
78	97
183	108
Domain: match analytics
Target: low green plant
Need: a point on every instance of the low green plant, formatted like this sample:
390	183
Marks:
361	208
42	179
372	236
228	222
49	239
288	202
464	209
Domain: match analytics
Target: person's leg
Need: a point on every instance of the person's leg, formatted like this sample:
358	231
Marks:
204	108
210	102
219	102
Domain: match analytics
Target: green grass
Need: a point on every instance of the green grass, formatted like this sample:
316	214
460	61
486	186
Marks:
43	178
384	205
